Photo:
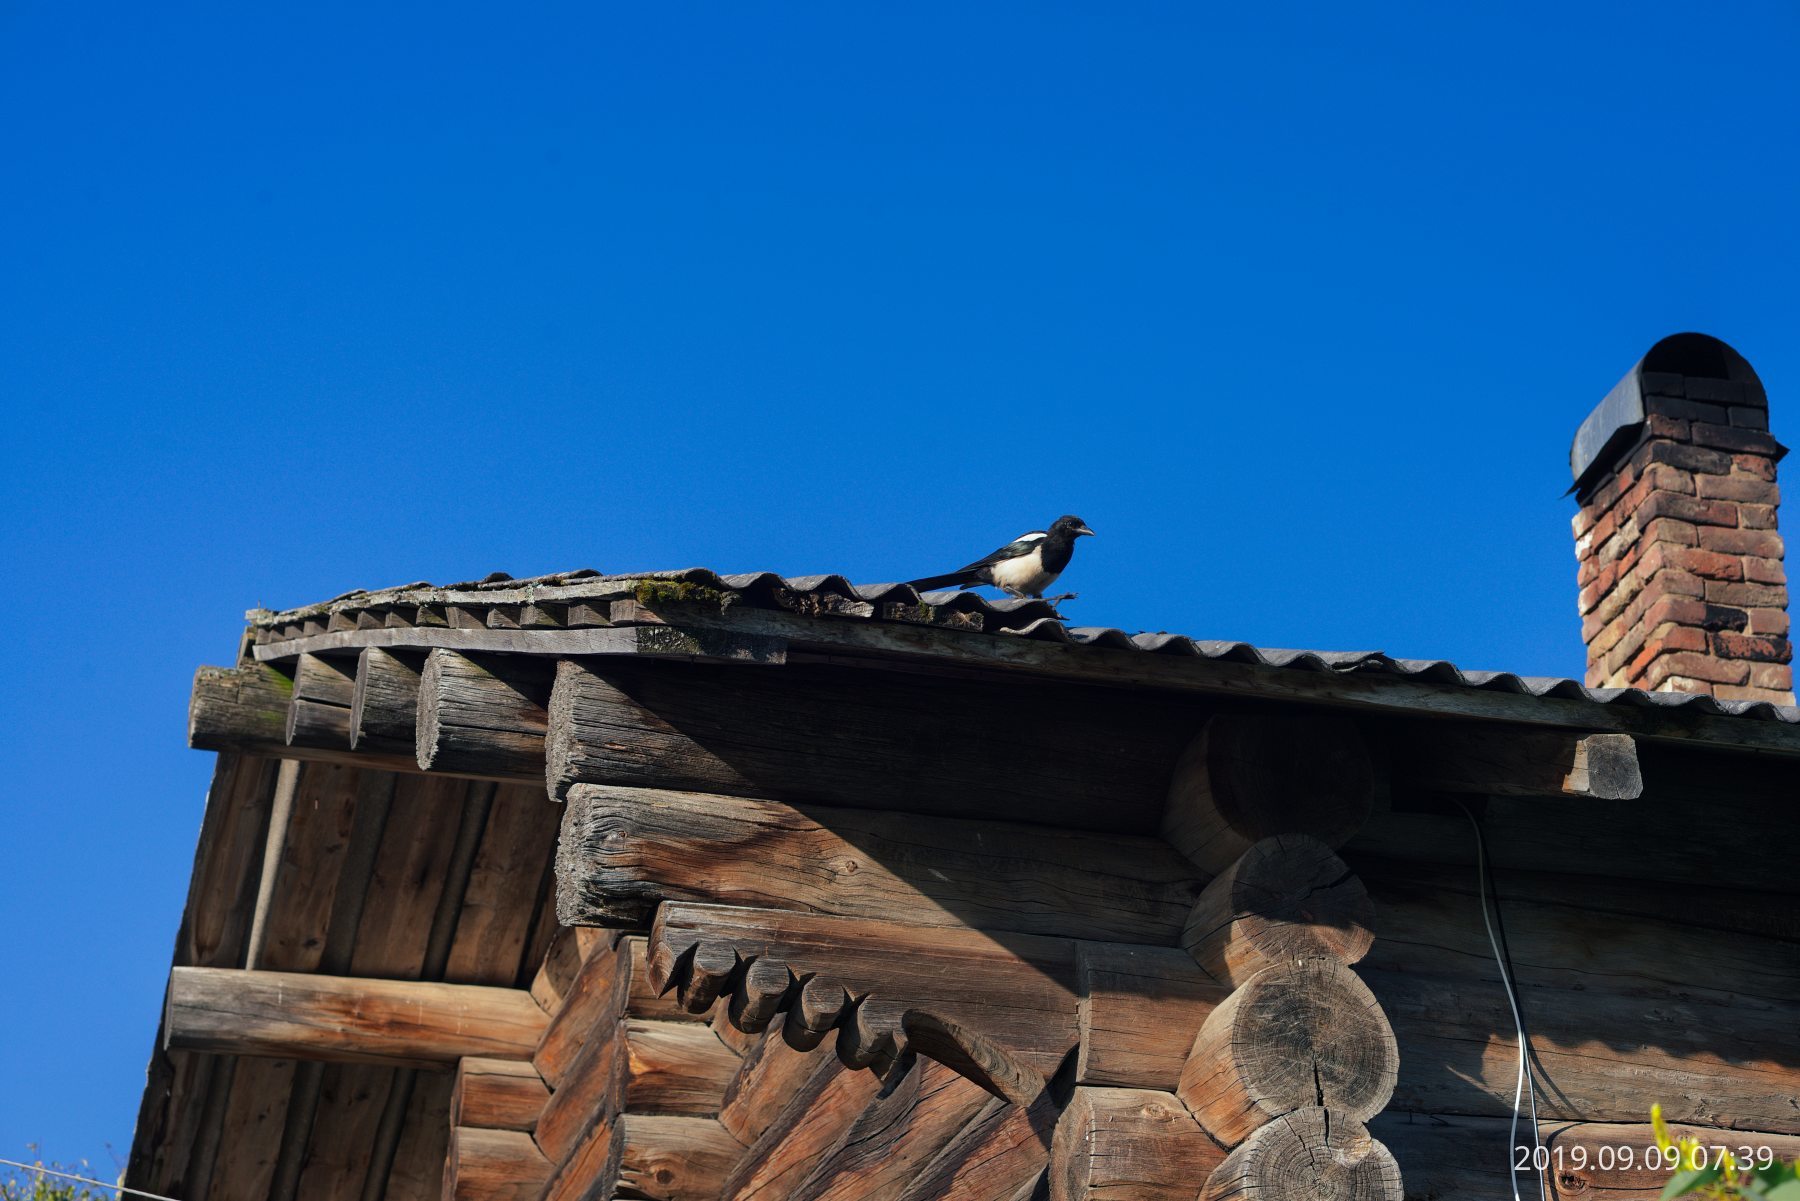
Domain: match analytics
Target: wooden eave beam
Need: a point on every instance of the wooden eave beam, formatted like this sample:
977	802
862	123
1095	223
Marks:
1500	761
695	627
297	1015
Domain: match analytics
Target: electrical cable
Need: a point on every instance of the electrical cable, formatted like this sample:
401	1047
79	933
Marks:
1503	959
117	1188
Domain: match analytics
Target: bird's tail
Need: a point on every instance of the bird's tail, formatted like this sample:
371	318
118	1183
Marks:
956	579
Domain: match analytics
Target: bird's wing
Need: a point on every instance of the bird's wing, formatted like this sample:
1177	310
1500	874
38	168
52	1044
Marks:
1024	544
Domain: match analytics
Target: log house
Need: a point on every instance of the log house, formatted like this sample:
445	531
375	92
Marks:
687	886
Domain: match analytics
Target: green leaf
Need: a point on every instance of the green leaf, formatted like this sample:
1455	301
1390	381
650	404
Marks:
1787	1190
1684	1182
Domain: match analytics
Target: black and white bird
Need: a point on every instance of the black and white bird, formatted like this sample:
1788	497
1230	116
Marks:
1025	566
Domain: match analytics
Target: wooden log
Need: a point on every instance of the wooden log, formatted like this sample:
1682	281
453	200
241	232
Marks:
1139	1009
1077	758
677	1067
1598	1054
592	1170
384	703
494	1165
1308	1153
1286	899
1287	1038
999	1156
1497	760
642	1000
623	850
768	1075
1018	992
1246	777
1129	1144
668	1158
402	1023
239	709
320	712
555	976
595	1000
901	1131
808	1124
592	1092
497	1094
1450	1155
483	715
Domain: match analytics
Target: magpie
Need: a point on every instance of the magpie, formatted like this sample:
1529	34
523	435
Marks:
1023	567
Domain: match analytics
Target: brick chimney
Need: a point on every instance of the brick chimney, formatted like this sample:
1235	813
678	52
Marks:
1682	585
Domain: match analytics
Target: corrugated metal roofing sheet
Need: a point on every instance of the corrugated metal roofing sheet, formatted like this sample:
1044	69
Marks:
1038	620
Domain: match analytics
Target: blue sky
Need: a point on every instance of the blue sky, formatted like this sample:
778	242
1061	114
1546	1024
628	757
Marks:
1297	305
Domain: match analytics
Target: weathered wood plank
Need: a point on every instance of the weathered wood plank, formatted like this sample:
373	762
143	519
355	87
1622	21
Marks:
518	846
417	1171
341	1141
592	1169
1077	758
555	976
592	1092
483	715
1287	1038
916	1115
1286	899
497	1094
1129	1144
250	1138
1308	1153
395	1022
1139	1011
494	1165
1449	1155
1017	990
1507	761
668	1158
1248	776
625	849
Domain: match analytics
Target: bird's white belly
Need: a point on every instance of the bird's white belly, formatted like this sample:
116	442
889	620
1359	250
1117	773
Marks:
1024	574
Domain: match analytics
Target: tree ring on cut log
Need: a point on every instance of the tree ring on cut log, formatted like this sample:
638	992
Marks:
1287	899
1310	1153
1246	777
1305	1034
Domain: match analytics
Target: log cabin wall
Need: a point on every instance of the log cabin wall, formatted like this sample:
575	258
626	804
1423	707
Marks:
858	899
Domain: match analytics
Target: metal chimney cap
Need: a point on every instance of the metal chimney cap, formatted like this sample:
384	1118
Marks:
1617	422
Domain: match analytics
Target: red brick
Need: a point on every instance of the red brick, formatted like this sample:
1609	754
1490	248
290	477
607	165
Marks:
1708	564
1687	508
1687	457
1747	692
1761	466
1683	610
1768	621
1607	493
1778	676
1750	488
1724	617
1668	529
1684	684
1725	437
1748	596
1763	543
1764	571
1751	646
1756	517
1695	666
1678	638
1748	417
1686	410
1662	383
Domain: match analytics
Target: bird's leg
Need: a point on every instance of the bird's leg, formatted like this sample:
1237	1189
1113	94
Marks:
1015	593
1060	598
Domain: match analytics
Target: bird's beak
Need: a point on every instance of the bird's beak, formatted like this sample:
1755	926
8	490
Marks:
1084	530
